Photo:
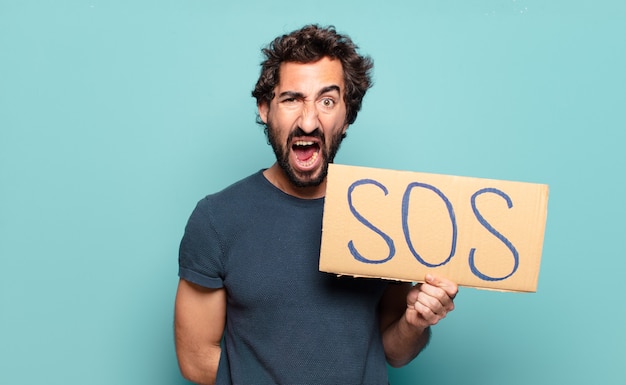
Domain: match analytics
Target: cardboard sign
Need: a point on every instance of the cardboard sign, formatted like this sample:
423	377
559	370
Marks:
400	225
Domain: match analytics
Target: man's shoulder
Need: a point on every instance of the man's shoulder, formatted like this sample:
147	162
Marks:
241	188
230	204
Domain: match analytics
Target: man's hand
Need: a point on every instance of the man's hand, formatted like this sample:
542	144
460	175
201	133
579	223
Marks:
430	302
405	325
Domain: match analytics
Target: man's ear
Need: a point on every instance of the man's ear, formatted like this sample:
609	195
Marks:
264	109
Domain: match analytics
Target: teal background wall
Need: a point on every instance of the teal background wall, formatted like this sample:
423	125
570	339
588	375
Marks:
117	116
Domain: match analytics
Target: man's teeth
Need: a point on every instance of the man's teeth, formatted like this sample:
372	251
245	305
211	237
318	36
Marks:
309	162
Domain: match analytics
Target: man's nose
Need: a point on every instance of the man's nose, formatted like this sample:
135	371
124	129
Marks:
309	119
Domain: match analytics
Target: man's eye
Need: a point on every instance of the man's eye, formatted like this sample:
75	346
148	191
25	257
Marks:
328	103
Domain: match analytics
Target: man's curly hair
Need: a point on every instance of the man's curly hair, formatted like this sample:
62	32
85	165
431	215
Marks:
310	44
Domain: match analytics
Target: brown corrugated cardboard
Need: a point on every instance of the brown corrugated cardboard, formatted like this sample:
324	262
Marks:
400	225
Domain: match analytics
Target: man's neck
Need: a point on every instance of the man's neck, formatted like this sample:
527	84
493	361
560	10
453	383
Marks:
276	176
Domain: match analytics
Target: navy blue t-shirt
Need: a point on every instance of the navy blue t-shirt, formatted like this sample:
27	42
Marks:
286	322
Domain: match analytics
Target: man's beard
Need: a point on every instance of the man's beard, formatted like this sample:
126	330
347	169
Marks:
304	179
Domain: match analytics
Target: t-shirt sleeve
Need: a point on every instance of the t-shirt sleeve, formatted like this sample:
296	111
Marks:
200	254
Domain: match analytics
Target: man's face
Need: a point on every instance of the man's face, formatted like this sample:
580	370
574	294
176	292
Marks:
306	120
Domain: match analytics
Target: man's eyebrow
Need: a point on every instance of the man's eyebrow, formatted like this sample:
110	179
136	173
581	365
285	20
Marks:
291	95
300	95
326	89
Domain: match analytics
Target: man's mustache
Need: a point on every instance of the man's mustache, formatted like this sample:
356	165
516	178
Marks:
300	132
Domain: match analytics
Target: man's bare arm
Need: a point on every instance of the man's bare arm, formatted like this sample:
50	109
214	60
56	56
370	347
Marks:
407	313
199	320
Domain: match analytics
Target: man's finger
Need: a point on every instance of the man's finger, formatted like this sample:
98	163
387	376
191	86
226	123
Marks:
448	286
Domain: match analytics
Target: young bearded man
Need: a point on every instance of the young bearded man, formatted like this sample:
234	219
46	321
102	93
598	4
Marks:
252	306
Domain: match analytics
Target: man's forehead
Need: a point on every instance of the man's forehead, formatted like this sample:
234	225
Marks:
320	74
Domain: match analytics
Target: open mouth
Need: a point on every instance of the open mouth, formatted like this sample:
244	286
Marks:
306	152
